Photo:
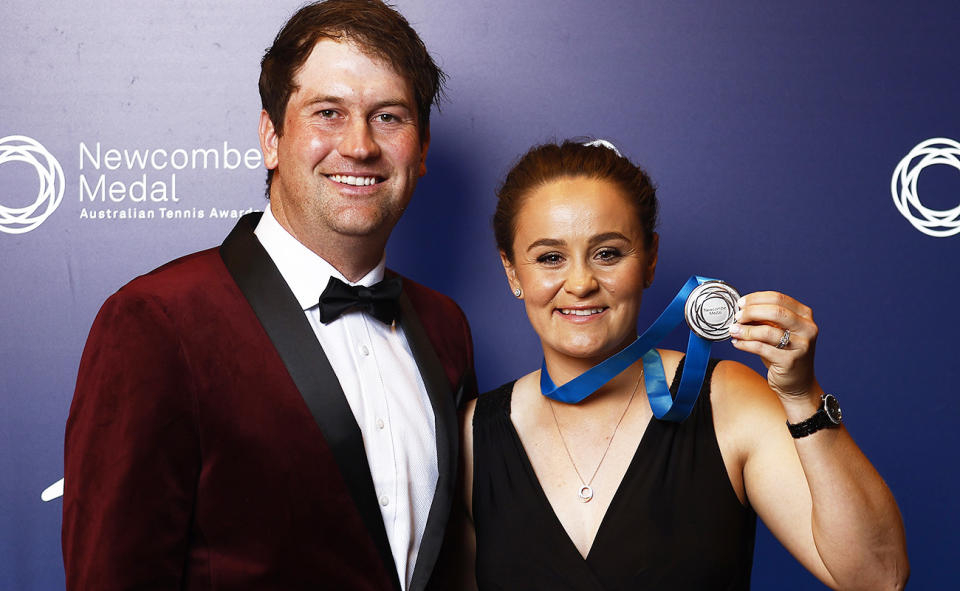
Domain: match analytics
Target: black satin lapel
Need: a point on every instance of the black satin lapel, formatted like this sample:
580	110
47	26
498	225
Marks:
294	339
445	421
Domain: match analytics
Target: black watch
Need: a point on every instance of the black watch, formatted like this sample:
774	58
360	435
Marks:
827	416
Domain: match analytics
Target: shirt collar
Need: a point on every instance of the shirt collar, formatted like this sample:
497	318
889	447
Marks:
305	272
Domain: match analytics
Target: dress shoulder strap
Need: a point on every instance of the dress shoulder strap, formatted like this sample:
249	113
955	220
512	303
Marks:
495	403
705	388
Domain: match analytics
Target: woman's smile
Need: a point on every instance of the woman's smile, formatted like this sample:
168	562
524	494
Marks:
581	314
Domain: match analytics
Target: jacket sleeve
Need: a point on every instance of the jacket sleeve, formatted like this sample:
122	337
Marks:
467	388
132	457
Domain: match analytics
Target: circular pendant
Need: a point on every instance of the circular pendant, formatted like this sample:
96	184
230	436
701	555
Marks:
586	493
710	308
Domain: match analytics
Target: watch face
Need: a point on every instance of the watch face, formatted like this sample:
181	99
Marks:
832	407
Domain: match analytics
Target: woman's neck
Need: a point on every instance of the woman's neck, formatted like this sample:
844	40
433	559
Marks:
563	368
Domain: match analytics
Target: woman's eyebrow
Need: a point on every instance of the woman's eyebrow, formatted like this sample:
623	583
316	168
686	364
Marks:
608	236
546	242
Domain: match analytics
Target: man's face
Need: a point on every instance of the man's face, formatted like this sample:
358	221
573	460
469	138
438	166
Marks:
351	150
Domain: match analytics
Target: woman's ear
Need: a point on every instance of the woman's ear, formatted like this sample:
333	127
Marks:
511	272
651	266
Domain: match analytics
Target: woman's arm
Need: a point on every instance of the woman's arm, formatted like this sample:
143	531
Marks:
460	543
818	494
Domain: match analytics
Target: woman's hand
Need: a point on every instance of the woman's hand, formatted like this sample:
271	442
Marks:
761	327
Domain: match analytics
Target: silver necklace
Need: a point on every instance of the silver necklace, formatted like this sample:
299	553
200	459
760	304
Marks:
586	491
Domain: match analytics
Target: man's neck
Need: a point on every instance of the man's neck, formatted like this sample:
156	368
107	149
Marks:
352	256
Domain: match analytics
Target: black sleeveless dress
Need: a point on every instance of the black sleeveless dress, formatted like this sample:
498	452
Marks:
674	524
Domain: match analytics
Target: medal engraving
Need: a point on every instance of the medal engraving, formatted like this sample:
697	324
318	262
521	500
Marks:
710	308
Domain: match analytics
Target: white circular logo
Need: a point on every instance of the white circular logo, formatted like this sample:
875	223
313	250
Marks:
19	148
903	186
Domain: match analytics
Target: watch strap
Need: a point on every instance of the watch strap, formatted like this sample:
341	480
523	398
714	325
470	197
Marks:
820	420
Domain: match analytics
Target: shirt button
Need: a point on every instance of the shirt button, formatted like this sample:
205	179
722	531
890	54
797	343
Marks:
380	424
364	350
384	501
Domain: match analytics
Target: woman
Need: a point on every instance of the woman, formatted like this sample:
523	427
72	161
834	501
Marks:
600	495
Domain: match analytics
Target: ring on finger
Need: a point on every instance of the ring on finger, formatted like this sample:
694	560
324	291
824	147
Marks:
784	340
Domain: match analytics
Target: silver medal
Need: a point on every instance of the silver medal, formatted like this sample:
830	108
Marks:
710	309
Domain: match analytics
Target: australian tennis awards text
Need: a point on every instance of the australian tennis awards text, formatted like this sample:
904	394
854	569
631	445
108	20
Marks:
149	175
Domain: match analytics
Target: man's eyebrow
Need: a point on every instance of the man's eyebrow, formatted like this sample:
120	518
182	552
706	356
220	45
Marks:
338	100
392	102
312	101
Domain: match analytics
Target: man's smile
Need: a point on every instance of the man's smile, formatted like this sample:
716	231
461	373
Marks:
357	181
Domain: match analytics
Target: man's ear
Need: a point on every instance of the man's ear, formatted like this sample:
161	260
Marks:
268	140
510	271
424	145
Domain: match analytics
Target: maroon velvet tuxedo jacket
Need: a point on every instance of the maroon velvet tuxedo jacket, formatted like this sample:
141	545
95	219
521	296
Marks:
209	444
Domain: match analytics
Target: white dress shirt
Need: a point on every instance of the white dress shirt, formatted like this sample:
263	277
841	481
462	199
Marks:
380	379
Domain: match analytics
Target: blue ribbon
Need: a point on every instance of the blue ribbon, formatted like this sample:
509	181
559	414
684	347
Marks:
664	406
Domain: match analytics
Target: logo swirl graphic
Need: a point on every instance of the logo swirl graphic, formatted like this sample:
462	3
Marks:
903	187
19	148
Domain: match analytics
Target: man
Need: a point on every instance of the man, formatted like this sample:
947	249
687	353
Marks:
229	432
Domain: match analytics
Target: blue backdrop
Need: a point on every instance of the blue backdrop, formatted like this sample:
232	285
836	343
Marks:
773	130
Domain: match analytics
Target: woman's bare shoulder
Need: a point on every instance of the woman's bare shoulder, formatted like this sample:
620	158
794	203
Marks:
526	395
745	409
737	386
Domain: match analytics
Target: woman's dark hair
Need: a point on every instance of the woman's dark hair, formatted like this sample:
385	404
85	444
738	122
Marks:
376	28
571	159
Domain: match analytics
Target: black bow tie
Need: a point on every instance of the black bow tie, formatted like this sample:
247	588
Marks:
380	299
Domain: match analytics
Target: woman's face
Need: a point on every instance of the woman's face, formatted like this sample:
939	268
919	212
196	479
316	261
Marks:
579	257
